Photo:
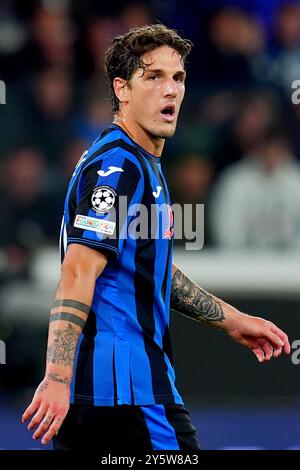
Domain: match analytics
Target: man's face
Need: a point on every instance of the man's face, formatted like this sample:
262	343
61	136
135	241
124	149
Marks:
156	93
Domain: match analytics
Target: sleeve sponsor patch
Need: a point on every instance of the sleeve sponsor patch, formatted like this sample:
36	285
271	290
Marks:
95	225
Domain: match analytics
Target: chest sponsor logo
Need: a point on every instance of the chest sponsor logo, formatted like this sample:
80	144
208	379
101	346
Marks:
157	192
111	169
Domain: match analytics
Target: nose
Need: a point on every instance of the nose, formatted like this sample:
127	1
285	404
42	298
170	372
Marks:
171	88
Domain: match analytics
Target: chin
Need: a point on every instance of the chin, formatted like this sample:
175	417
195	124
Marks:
165	133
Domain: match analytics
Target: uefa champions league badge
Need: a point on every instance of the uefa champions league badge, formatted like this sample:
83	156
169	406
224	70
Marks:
103	199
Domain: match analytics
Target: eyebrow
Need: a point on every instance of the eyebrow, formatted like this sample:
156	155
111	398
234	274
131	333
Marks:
178	72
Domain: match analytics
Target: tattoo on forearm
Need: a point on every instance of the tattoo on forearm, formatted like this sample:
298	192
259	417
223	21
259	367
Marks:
70	317
43	386
189	299
71	303
62	350
56	378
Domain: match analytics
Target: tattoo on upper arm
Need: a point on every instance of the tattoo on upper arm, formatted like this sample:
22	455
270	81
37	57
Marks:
70	317
62	350
189	299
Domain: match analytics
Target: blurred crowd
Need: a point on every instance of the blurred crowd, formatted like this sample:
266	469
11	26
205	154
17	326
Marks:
237	145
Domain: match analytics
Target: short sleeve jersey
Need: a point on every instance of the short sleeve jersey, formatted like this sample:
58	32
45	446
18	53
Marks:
118	203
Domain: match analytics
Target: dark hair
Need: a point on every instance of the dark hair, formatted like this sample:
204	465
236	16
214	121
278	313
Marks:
125	55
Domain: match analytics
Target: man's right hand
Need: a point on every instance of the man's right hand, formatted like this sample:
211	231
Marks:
49	407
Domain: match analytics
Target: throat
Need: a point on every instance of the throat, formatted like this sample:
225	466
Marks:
152	144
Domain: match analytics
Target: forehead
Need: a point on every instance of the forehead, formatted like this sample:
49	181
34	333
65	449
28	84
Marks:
164	58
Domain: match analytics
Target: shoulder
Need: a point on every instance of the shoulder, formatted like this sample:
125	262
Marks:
113	153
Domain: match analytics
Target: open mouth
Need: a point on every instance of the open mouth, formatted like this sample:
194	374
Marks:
168	112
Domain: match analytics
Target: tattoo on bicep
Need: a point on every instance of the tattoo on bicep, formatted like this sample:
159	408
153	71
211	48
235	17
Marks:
62	350
189	299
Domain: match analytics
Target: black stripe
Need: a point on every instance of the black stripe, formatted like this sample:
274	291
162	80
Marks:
105	133
166	338
66	316
102	247
84	380
112	145
144	441
158	175
167	346
71	303
179	418
165	189
115	379
131	390
122	188
166	275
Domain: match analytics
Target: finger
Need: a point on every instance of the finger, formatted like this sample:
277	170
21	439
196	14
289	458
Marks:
53	430
274	338
43	427
266	346
277	352
30	410
267	349
284	337
259	354
40	414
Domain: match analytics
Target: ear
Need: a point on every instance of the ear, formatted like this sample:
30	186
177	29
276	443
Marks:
121	89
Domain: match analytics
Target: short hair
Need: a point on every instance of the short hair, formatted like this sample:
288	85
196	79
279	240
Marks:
125	55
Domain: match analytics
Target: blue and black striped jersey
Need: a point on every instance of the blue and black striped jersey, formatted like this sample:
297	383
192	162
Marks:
124	353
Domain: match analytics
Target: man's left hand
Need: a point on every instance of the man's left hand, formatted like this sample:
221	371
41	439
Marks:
261	336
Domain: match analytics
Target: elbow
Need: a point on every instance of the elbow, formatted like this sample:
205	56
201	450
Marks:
76	273
82	264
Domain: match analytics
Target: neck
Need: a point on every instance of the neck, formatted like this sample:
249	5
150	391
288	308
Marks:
153	145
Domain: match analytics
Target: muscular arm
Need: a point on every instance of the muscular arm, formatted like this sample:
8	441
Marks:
80	270
261	336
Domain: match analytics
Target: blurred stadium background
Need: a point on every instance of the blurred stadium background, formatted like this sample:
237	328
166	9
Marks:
236	150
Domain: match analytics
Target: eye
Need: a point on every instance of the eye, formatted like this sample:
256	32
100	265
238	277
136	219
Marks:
153	77
179	78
